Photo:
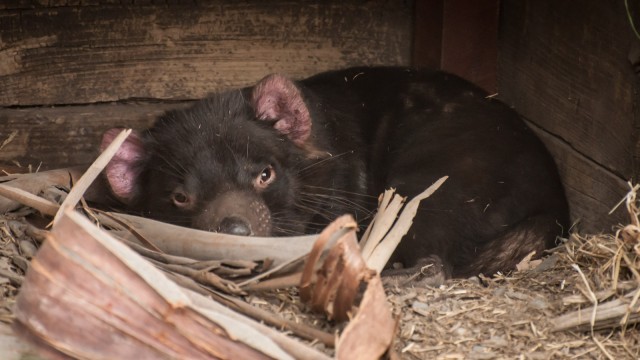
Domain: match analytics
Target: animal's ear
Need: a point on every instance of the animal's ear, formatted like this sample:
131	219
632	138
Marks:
123	171
276	98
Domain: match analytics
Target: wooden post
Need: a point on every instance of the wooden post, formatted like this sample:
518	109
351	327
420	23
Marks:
458	36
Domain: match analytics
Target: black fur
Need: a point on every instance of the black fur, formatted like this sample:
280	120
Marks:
372	128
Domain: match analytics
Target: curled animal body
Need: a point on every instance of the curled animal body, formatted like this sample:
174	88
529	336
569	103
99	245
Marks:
286	157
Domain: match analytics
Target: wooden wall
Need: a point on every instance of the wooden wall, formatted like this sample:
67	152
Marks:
565	65
71	69
458	36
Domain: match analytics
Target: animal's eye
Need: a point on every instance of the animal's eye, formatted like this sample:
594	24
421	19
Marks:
180	198
266	177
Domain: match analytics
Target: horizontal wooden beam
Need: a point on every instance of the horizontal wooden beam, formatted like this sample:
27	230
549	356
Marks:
179	50
50	138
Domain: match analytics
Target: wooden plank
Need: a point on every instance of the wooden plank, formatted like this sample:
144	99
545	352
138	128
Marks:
458	36
69	135
470	41
563	64
427	34
86	54
592	191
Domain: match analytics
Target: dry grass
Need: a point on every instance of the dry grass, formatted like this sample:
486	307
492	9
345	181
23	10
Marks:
544	313
580	302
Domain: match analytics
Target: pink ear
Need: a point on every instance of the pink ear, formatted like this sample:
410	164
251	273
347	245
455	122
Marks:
123	170
276	98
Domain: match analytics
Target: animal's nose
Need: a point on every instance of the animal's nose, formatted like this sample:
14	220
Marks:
234	225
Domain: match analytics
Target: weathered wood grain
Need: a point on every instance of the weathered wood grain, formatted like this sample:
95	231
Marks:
68	135
85	54
470	40
458	36
592	191
563	64
427	34
573	78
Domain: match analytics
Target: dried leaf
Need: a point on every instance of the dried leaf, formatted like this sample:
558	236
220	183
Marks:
83	282
331	283
321	278
383	251
35	184
92	173
205	245
370	333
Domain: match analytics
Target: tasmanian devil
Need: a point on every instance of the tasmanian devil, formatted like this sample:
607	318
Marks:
286	157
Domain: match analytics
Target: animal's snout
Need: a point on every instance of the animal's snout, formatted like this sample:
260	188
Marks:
234	225
235	212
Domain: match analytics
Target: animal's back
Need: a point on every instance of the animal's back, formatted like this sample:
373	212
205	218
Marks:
503	198
285	157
